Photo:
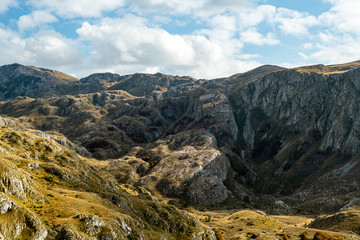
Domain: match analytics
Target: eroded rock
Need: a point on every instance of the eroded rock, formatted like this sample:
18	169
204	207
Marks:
207	190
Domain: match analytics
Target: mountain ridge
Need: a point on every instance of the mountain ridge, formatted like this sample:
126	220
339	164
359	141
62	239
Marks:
270	138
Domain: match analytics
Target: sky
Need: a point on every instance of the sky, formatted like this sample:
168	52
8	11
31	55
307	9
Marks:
199	38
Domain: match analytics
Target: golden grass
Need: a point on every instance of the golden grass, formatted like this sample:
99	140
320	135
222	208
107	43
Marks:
65	200
56	74
253	224
330	69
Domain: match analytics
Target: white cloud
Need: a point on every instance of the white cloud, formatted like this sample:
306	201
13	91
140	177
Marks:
308	45
52	48
223	31
220	32
6	4
252	36
230	5
129	40
249	56
294	64
252	17
334	49
222	28
339	39
293	22
195	8
78	8
344	16
128	44
35	19
162	19
161	6
303	55
46	48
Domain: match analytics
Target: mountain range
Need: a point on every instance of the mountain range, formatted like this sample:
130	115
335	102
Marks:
108	156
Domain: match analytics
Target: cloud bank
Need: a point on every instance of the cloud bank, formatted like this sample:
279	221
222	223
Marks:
201	38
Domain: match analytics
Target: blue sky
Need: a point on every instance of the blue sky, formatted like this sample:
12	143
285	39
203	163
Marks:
200	38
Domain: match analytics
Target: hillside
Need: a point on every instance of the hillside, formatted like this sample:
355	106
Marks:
49	192
281	140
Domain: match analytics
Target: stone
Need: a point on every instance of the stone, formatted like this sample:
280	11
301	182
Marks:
207	190
5	204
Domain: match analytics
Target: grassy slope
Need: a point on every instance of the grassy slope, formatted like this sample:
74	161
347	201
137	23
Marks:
65	195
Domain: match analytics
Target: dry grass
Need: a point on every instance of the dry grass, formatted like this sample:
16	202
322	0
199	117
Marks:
330	69
252	224
64	200
56	74
68	186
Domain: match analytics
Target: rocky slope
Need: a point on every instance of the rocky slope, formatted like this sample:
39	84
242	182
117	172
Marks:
284	140
49	192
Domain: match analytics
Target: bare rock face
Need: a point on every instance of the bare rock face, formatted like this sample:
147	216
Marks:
5	204
92	224
69	234
214	111
172	172
288	114
207	190
17	80
17	183
17	221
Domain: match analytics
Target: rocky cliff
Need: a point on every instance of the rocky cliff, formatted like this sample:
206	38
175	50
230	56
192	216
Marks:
268	136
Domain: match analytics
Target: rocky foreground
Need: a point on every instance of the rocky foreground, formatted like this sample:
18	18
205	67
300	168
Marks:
100	157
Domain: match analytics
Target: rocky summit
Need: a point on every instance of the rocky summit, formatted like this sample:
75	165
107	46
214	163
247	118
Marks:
155	156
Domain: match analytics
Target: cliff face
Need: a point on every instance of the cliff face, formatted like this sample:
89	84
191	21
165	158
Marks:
273	131
297	125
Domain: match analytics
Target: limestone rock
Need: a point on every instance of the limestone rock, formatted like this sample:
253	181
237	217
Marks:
5	204
207	190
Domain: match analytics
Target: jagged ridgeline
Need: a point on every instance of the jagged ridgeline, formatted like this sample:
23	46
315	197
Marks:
83	158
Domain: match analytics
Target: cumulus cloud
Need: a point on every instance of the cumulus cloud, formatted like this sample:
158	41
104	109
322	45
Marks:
129	43
78	8
339	39
194	7
254	16
252	36
129	40
293	22
161	6
216	6
215	44
46	48
52	48
333	49
343	16
6	4
35	19
222	30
